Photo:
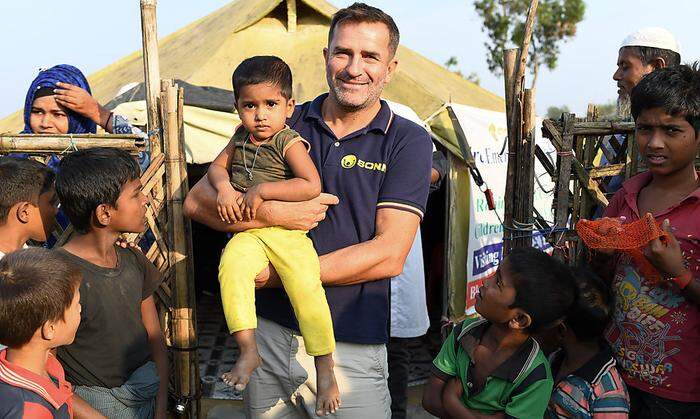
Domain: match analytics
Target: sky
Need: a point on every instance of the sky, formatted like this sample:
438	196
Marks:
93	34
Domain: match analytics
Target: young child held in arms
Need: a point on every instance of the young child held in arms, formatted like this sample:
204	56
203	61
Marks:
118	361
586	382
28	203
39	311
492	366
655	329
266	160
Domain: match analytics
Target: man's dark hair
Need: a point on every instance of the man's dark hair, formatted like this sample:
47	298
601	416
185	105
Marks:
676	90
22	180
591	311
648	54
36	285
362	13
89	178
543	286
263	69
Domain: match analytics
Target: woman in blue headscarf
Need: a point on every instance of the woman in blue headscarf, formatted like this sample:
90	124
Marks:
59	101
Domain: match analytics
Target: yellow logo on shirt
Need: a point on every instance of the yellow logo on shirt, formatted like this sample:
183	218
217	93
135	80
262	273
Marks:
349	161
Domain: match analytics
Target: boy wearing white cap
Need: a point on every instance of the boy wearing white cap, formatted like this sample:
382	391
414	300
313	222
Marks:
642	52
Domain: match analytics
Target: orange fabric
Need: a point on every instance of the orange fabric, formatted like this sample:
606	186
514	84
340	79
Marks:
629	238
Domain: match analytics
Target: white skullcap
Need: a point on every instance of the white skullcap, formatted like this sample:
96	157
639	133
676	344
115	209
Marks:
652	37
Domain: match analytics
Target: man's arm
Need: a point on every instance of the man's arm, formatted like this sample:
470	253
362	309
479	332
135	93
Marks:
159	353
379	258
200	205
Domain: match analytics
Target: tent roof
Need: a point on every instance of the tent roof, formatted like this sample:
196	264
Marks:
206	51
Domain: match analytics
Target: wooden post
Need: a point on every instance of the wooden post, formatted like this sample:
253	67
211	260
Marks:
151	70
184	338
509	57
527	36
291	16
561	214
525	156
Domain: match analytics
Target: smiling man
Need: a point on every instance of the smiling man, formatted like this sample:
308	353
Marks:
378	166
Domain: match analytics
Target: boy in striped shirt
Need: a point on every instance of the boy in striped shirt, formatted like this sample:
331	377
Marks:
587	384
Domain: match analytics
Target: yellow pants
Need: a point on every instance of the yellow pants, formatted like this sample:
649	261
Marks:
293	256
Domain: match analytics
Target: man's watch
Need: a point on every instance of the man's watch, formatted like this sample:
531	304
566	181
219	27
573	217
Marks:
682	280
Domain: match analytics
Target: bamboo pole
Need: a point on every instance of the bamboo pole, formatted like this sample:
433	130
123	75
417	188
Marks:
509	58
526	175
562	193
291	16
63	143
184	337
524	48
151	70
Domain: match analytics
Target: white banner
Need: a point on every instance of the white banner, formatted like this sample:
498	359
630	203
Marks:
486	135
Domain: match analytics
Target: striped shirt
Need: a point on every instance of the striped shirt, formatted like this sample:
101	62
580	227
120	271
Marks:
595	390
27	395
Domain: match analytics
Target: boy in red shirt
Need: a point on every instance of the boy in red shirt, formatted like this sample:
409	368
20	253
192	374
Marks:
39	311
655	330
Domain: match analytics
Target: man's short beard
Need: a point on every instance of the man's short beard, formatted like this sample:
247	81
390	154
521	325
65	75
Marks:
337	94
624	106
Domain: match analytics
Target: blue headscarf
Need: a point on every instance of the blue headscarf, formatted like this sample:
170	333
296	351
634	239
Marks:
77	124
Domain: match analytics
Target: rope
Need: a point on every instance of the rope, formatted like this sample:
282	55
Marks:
71	147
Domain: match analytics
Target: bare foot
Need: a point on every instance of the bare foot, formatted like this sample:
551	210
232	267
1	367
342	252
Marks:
327	393
239	375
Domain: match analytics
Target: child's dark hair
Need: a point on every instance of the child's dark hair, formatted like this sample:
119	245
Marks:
89	178
591	311
22	180
543	286
36	285
263	69
676	90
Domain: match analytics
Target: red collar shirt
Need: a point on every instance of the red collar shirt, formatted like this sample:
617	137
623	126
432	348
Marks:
25	394
655	331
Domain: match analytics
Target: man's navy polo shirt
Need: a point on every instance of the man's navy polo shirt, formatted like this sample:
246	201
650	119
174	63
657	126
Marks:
384	165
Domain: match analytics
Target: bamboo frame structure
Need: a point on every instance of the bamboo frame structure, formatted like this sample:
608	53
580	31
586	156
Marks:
164	183
518	209
581	182
62	143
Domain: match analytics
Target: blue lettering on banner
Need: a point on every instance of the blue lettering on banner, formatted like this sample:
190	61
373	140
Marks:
489	256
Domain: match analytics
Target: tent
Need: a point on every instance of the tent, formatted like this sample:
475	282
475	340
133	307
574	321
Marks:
206	51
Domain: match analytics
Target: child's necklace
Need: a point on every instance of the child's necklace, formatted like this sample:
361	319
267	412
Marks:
255	157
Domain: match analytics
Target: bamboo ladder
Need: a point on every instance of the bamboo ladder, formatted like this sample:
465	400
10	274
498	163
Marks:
165	186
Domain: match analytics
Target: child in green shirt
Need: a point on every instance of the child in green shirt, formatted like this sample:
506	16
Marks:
492	366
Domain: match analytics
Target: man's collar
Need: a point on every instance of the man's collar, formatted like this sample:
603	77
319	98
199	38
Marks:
513	367
592	370
17	376
381	122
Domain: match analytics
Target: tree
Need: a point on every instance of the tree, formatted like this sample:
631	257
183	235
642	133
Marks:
554	112
452	65
504	22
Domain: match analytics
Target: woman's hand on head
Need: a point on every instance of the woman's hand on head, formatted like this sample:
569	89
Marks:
80	101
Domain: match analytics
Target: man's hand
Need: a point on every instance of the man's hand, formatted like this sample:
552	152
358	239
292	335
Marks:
249	203
666	256
308	214
80	101
227	205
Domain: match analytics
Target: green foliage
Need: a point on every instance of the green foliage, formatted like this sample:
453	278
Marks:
554	112
607	110
504	22
452	64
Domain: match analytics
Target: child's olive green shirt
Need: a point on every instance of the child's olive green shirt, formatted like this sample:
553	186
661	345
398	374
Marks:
264	161
521	386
